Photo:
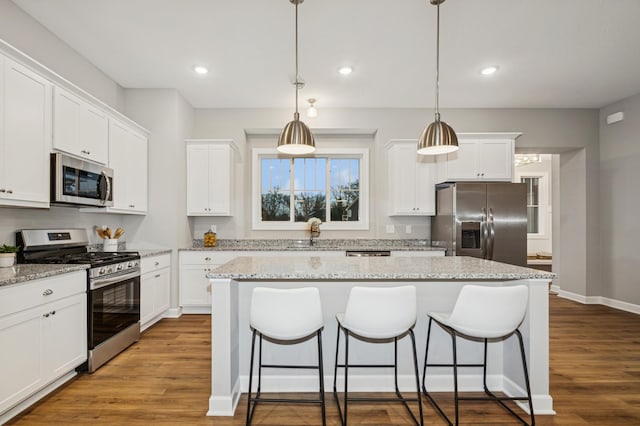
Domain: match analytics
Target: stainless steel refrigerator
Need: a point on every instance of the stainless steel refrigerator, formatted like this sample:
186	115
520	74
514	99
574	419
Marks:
485	220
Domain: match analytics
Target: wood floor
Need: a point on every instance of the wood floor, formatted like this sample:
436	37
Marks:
165	379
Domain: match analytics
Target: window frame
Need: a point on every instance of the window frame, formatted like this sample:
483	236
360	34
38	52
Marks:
543	202
257	154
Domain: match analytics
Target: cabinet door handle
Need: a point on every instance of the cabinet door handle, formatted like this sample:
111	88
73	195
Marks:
84	151
207	259
157	263
53	312
46	315
9	191
47	292
3	190
157	276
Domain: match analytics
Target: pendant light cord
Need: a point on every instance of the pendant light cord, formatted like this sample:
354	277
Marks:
438	61
297	78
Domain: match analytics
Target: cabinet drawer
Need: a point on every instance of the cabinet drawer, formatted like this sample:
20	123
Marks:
150	264
33	293
206	257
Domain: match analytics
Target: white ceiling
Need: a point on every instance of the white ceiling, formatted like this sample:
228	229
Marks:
551	53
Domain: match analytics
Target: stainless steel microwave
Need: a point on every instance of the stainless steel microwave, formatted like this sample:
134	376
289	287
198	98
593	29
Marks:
80	182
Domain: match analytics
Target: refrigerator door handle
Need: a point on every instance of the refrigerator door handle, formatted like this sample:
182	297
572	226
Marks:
484	233
492	235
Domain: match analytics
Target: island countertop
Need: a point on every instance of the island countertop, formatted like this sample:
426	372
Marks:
372	268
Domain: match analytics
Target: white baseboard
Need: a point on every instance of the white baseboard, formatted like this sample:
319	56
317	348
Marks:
225	405
599	300
542	404
173	313
196	310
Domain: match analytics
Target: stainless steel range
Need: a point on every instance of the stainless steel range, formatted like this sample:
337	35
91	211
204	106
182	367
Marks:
113	287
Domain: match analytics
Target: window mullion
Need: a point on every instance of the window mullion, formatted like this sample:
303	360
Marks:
327	190
292	195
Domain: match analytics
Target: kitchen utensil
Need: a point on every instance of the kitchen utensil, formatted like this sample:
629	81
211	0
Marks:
101	233
107	232
118	233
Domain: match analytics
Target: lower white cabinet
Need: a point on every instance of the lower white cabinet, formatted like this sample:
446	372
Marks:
195	289
43	335
155	289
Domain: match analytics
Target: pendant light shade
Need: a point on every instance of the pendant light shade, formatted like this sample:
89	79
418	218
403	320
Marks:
438	137
296	138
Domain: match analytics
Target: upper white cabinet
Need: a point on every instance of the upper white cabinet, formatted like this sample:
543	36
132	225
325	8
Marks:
209	177
25	136
79	128
480	157
411	180
128	159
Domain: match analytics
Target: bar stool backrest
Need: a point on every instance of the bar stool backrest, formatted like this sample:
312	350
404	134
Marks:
286	314
380	312
489	312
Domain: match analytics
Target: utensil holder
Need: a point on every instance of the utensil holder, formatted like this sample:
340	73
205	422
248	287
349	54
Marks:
110	245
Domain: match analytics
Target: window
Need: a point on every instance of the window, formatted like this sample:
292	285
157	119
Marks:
533	204
331	186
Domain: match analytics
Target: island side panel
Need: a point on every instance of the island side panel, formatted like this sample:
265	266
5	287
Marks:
225	383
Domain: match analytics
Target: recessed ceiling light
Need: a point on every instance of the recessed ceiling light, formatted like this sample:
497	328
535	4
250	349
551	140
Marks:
200	70
489	70
345	70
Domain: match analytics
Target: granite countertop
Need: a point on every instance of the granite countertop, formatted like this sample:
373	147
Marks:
372	268
27	272
151	252
319	245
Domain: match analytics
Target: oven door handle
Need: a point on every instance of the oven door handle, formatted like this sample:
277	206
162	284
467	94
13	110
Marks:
103	282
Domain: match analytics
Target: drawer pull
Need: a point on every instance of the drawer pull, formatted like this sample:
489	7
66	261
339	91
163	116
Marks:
157	276
47	292
46	315
53	312
157	263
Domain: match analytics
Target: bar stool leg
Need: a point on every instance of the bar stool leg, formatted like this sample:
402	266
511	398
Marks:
259	367
455	374
346	373
249	410
321	377
417	374
526	377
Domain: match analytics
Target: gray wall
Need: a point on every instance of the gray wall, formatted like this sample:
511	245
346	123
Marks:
170	119
620	201
27	35
572	133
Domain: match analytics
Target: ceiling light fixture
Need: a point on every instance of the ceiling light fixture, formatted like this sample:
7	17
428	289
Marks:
312	111
489	70
296	138
438	137
199	69
345	70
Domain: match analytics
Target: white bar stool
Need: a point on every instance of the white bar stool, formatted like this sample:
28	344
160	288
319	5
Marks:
482	313
378	315
285	316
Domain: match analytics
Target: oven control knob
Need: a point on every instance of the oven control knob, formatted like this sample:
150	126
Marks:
102	271
109	270
119	268
130	265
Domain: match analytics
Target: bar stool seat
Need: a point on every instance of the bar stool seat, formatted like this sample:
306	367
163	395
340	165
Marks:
377	315
286	317
482	313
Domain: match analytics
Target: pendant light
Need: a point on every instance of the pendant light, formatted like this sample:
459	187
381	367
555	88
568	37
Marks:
438	137
296	138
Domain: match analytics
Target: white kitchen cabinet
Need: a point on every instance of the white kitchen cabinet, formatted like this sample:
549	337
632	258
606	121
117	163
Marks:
155	289
43	330
411	180
195	291
79	128
480	157
128	159
210	177
25	136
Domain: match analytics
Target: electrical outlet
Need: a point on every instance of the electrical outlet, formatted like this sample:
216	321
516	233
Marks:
391	229
407	229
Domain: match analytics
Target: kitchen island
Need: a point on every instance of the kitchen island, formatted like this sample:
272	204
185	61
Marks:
438	281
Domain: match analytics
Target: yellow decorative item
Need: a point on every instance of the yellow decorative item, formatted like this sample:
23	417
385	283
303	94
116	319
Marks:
210	237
